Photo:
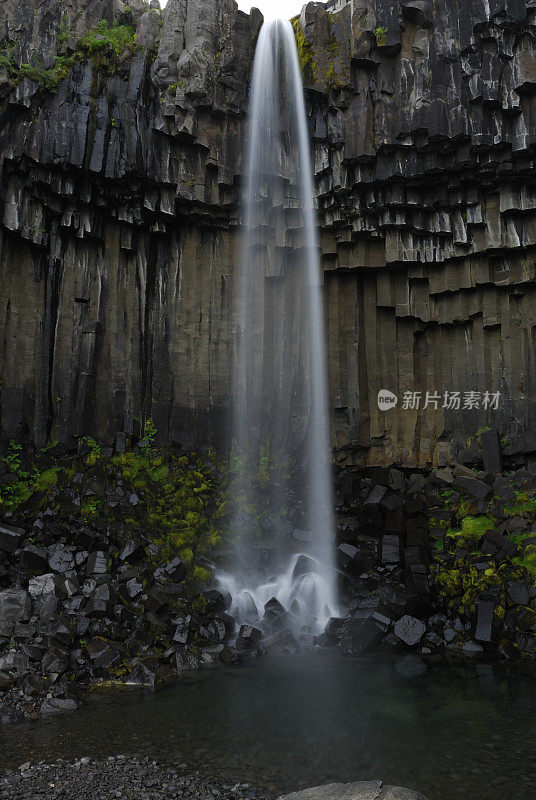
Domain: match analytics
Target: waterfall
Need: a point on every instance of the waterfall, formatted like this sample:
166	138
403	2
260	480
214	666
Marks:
283	525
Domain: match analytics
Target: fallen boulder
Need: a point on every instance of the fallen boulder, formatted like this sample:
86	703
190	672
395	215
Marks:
362	790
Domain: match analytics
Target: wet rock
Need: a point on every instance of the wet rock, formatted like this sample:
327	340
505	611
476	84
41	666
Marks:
396	479
491	451
361	636
472	649
174	571
185	660
484	625
335	627
10	538
409	630
494	542
347	555
60	560
14	661
57	705
46	605
133	552
97	563
215	631
518	592
181	630
134	588
248	637
304	565
46	584
142	676
390	549
217	600
381	620
376	496
34	559
233	657
15	605
273	610
474	487
282	640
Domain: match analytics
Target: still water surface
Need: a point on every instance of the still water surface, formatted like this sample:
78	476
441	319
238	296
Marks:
286	723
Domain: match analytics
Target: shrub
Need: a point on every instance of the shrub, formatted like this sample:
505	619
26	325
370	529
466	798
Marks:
102	37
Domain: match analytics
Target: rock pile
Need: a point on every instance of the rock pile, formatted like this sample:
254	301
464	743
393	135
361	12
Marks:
442	564
101	596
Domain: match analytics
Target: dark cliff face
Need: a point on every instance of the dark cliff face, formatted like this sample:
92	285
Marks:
120	172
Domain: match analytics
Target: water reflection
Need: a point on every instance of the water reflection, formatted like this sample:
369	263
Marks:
463	732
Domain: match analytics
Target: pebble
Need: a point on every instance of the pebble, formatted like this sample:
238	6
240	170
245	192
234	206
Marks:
117	776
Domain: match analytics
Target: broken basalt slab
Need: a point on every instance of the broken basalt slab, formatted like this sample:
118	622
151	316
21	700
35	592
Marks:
362	790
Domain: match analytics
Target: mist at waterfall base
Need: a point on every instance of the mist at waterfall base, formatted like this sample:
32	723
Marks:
282	576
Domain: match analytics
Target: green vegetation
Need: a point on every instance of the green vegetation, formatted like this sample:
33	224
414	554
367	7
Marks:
105	37
149	433
525	503
179	494
461	586
20	488
462	578
176	497
381	35
94	450
332	80
89	509
305	53
528	561
172	88
472	530
104	44
44	481
479	433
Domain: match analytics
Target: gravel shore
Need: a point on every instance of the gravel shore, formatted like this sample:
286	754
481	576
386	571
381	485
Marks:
116	777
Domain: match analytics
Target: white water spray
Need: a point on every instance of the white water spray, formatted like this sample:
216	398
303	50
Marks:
281	426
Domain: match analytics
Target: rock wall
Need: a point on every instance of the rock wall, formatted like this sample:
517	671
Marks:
119	210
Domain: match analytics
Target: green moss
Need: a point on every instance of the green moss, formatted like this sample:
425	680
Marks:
305	53
467	508
44	481
94	451
332	80
201	574
525	503
179	495
471	531
333	46
528	561
462	585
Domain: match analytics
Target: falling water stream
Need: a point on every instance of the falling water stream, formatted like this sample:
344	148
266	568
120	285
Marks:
281	429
